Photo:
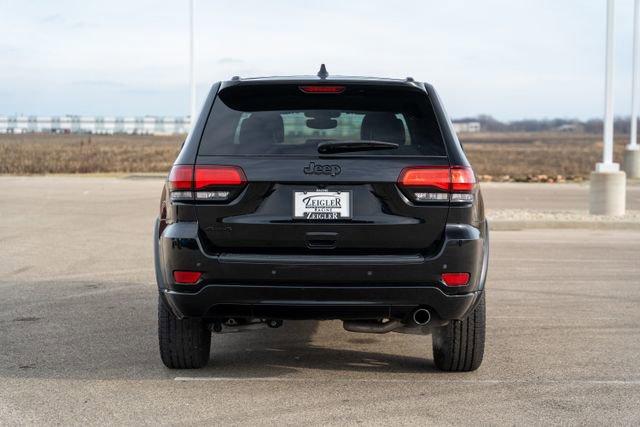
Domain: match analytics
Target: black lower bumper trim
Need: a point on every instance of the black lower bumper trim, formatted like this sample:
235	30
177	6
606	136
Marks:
316	302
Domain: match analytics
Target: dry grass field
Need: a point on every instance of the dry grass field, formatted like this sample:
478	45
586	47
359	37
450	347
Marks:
495	156
48	153
536	156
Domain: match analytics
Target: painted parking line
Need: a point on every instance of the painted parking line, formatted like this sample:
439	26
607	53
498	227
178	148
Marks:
87	275
413	381
555	319
496	258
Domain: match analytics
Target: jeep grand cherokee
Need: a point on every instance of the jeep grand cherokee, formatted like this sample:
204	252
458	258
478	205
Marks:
322	198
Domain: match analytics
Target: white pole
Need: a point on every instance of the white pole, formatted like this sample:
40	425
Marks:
607	185
607	164
192	69
633	141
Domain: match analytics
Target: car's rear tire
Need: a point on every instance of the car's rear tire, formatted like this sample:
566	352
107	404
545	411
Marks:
184	343
459	346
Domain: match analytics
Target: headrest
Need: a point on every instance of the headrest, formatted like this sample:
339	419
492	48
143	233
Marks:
382	127
266	127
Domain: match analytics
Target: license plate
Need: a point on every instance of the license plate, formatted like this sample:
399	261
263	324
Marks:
322	205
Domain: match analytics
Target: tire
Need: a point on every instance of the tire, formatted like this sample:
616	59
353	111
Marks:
459	346
184	343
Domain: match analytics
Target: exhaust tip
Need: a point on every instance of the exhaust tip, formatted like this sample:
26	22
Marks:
274	323
421	316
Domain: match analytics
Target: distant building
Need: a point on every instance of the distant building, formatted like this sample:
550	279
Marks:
466	126
571	127
148	125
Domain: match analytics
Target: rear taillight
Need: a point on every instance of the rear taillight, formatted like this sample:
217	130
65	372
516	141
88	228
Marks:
180	177
426	177
462	179
205	182
438	183
211	176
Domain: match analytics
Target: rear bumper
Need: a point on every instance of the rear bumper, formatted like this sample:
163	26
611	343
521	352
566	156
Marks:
319	286
317	302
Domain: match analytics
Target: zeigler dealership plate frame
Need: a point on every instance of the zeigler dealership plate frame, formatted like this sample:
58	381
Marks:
344	210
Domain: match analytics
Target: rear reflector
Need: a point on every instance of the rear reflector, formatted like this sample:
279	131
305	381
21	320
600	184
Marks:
322	89
455	279
186	277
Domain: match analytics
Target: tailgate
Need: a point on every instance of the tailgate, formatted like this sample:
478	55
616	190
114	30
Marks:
284	208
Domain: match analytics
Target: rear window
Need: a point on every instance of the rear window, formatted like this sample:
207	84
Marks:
284	120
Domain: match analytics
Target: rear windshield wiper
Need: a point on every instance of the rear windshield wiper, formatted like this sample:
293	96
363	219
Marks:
327	147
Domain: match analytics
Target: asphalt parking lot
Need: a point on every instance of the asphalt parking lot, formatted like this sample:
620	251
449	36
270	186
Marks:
78	331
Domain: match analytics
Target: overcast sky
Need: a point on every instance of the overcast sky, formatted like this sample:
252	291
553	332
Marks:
511	58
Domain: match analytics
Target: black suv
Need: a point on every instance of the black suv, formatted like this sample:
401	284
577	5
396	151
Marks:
322	198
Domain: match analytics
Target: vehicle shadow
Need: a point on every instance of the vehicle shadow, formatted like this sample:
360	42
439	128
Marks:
289	349
108	331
